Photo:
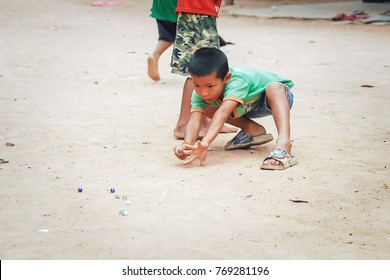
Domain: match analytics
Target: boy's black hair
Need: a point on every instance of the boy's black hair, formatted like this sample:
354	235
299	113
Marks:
206	61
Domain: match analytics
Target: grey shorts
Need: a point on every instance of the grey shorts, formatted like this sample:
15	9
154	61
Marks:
262	110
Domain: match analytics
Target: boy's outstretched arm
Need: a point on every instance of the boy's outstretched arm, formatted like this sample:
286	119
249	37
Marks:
193	127
192	131
199	150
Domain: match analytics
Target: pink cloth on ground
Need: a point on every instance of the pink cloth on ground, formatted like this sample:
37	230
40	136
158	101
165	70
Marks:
105	3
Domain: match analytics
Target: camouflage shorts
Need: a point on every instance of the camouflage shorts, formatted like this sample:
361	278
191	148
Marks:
193	32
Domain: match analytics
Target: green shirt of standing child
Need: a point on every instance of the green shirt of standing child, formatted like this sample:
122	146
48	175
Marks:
164	10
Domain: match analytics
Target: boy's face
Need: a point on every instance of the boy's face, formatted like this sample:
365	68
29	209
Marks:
210	87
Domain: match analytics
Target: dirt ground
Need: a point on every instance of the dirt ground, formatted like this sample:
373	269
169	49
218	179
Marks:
80	111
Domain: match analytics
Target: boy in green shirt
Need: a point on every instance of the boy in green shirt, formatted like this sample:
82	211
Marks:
236	95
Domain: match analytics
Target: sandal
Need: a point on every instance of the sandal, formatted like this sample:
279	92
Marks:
243	140
282	156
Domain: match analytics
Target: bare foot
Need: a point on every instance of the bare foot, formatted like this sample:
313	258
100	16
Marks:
227	128
179	133
153	68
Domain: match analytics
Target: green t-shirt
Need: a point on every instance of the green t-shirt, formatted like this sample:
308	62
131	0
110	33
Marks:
164	10
246	86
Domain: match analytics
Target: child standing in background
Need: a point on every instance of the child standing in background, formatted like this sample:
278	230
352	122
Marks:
164	13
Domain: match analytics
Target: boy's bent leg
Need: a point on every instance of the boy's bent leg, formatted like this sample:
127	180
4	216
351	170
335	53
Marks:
251	134
278	102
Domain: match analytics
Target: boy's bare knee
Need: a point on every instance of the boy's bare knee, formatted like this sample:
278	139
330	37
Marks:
275	87
275	91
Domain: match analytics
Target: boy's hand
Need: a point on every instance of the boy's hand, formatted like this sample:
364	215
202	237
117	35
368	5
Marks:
196	151
179	151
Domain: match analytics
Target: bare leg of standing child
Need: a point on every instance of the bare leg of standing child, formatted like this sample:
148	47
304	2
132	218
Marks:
153	58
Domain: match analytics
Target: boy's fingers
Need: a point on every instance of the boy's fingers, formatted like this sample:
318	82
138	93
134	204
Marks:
177	150
189	160
189	147
181	156
179	153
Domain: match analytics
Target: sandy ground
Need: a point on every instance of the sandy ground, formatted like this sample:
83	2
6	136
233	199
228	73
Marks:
81	112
